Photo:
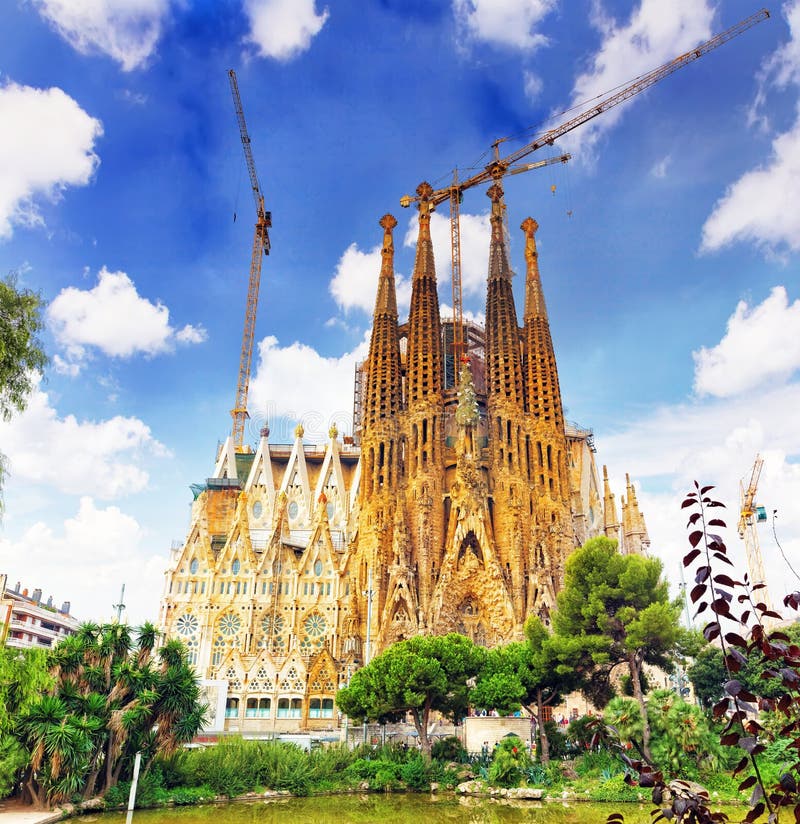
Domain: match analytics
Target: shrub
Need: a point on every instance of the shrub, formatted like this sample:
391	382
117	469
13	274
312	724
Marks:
415	773
510	763
449	749
615	789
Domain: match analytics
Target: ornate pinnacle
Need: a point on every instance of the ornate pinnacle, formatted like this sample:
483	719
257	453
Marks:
495	193
529	226
299	431
333	432
424	190
387	223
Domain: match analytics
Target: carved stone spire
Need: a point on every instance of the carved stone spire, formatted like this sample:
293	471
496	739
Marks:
503	357
542	390
635	538
424	372
610	517
383	383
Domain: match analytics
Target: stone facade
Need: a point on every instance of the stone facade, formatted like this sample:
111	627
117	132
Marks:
453	508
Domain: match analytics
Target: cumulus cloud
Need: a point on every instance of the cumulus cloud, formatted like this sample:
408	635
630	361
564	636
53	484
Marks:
355	283
104	459
50	147
763	205
298	383
714	438
86	561
282	29
125	30
761	344
655	33
503	22
113	318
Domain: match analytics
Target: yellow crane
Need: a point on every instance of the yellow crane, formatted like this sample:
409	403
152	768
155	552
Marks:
260	248
499	167
750	515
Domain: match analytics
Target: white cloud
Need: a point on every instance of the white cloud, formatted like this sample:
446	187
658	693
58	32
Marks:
659	170
533	85
125	30
191	334
50	147
655	33
355	284
113	318
762	343
86	562
283	28
762	206
299	383
714	440
99	458
503	22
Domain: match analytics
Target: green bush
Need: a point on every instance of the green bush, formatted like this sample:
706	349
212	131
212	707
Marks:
556	740
184	796
510	763
449	749
415	773
285	767
597	763
615	789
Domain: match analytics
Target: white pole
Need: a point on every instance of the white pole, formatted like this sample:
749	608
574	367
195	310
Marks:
137	762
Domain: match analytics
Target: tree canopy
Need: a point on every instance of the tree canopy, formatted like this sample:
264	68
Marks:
113	696
617	608
21	354
417	675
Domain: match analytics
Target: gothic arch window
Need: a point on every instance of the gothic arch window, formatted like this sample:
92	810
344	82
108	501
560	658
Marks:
469	544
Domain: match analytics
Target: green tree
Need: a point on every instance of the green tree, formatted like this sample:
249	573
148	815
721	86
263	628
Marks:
112	697
708	675
617	608
419	675
21	354
23	677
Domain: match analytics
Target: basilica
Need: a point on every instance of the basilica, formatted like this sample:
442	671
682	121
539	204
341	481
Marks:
451	507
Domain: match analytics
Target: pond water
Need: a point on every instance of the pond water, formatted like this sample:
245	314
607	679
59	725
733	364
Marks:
384	809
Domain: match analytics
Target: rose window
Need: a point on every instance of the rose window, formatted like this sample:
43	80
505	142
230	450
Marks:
230	624
315	625
273	627
187	624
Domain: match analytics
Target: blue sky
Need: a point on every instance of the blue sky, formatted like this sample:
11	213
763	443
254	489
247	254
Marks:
668	248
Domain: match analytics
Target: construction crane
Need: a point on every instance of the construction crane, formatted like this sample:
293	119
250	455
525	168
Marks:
260	248
500	167
750	515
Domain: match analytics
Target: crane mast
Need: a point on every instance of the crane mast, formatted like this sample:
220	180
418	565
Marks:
499	167
261	247
749	516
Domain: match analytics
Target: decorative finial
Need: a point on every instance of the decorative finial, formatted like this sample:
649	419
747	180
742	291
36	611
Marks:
299	431
388	222
529	226
264	431
333	432
495	193
424	190
605	472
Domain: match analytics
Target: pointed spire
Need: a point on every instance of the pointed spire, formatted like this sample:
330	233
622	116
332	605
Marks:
534	296
503	357
542	390
610	517
424	360
386	301
636	539
382	396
